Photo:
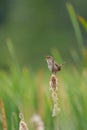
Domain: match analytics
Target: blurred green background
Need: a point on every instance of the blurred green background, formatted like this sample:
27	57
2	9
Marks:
30	30
35	28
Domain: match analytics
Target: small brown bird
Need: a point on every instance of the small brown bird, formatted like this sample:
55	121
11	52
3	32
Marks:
52	65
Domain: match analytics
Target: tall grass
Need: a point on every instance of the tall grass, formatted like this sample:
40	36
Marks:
77	57
30	91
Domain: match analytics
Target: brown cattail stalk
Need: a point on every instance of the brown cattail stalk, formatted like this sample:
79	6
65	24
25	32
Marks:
53	87
22	124
4	122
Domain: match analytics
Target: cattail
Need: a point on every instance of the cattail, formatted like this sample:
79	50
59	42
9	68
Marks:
37	122
4	122
22	124
54	87
54	96
53	83
54	68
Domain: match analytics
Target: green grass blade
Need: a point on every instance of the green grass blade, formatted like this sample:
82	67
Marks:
74	21
83	22
14	57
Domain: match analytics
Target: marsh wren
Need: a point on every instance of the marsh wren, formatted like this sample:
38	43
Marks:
52	65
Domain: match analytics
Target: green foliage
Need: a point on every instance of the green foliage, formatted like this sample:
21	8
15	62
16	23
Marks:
74	21
30	92
83	22
24	93
77	56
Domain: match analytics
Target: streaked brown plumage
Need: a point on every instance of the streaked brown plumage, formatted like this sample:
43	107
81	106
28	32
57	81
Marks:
52	65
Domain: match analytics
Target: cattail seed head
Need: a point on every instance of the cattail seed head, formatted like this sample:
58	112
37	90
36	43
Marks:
53	82
22	124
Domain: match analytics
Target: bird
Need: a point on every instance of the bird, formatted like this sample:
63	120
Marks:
52	65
